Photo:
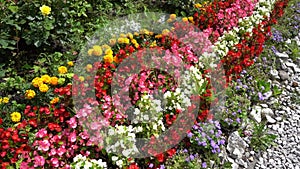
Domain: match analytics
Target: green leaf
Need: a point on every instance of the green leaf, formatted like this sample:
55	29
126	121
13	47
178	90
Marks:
13	8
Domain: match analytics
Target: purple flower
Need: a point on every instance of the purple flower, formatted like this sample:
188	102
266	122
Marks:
162	167
190	135
185	150
217	124
260	96
204	165
213	144
192	157
221	142
151	165
273	48
238	120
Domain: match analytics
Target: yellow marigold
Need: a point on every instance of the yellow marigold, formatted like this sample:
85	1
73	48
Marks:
15	116
108	52
105	46
185	19
54	81
62	70
153	44
89	67
129	35
169	20
70	63
43	88
29	94
116	59
165	32
5	100
191	18
145	31
122	35
90	52
173	16
0	100
97	50
46	78
46	10
158	36
126	41
133	41
136	45
36	82
120	40
136	34
55	100
197	5
81	78
151	33
112	42
108	58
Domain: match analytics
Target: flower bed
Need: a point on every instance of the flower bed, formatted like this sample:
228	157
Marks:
63	126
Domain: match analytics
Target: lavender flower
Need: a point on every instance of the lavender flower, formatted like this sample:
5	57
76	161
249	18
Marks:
277	36
162	167
274	50
260	96
151	165
204	165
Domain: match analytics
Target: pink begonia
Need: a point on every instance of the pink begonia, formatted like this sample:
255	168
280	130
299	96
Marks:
44	145
61	150
41	133
229	18
72	137
72	122
85	111
54	162
39	161
52	152
84	135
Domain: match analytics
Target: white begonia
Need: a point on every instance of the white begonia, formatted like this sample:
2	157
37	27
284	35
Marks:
102	163
77	157
119	163
87	165
126	152
111	132
136	111
114	158
78	165
131	135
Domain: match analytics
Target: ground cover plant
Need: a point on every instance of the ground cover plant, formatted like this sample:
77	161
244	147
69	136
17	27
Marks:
49	118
